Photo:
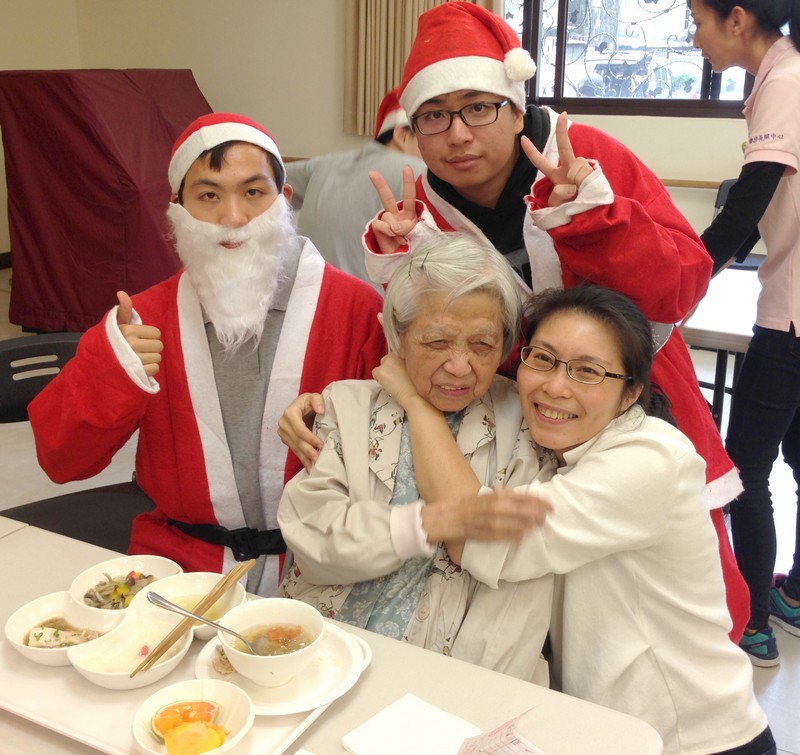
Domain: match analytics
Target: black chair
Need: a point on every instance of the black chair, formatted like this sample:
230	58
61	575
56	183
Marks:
722	195
751	261
27	364
101	516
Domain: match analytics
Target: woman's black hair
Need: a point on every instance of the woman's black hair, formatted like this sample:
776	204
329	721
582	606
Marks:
771	15
217	156
631	328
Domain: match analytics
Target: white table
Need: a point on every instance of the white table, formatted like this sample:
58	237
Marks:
7	526
563	725
723	322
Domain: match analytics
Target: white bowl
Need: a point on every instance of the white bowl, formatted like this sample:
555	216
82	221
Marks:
271	670
186	590
110	659
235	712
157	566
50	607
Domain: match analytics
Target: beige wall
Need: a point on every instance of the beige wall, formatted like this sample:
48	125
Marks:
282	62
34	34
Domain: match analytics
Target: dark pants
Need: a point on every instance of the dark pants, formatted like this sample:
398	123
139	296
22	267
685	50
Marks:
763	744
765	415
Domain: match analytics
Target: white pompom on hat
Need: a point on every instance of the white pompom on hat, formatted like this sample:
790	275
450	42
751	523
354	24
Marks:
390	114
211	130
464	46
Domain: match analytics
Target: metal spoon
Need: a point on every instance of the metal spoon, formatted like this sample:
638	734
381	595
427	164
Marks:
162	602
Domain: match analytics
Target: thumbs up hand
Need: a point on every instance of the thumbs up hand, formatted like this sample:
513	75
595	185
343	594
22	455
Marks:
145	340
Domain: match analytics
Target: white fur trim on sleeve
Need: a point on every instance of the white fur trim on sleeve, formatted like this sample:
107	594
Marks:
126	355
595	191
381	267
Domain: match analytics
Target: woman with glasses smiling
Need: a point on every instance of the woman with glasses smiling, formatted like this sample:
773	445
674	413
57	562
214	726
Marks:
634	628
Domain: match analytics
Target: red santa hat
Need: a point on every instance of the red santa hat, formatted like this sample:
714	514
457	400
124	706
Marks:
390	114
209	131
464	46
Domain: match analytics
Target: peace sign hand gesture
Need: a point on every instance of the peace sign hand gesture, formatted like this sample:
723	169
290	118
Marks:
570	172
394	225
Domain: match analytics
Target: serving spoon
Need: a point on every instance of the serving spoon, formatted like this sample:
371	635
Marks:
162	602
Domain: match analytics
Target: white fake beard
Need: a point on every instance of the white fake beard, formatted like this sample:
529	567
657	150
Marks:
236	287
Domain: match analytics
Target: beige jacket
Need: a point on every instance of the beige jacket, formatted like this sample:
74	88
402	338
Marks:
338	523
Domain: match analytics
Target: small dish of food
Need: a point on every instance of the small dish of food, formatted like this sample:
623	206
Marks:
186	590
200	715
111	585
43	629
110	660
285	633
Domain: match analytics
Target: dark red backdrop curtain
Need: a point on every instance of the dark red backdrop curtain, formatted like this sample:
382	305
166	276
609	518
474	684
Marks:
86	156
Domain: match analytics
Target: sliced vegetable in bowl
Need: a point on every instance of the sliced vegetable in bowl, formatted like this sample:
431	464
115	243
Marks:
111	585
116	592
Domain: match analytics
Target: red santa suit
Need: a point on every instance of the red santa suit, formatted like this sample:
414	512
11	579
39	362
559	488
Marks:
330	332
621	231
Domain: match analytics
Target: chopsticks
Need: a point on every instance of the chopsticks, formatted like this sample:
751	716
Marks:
184	625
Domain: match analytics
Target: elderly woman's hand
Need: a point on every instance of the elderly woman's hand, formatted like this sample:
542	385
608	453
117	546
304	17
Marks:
393	376
294	427
503	514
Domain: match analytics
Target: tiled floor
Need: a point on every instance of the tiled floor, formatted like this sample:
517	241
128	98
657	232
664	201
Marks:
778	689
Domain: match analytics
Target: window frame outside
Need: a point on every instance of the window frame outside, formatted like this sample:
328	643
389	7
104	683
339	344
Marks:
706	107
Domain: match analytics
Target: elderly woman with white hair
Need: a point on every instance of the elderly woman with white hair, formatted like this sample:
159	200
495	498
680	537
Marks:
367	550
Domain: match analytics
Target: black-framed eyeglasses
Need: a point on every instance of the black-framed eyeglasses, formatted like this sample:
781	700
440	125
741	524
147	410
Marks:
580	370
439	121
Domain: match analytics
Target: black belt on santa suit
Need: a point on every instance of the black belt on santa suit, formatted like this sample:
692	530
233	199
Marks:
245	542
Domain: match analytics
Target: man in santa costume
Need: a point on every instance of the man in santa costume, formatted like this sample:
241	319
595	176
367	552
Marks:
203	364
565	203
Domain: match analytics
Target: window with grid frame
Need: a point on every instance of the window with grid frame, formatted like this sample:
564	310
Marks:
622	57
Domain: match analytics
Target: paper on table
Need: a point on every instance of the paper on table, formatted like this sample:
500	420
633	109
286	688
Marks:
506	739
410	725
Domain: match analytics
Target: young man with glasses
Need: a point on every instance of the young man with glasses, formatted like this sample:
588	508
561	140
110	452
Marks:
565	203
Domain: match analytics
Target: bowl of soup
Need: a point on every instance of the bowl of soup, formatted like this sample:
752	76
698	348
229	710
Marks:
187	590
45	628
285	633
111	585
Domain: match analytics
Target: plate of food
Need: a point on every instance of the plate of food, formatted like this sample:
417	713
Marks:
43	629
335	668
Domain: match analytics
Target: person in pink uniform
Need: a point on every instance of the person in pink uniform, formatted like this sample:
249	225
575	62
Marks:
765	410
566	203
204	363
